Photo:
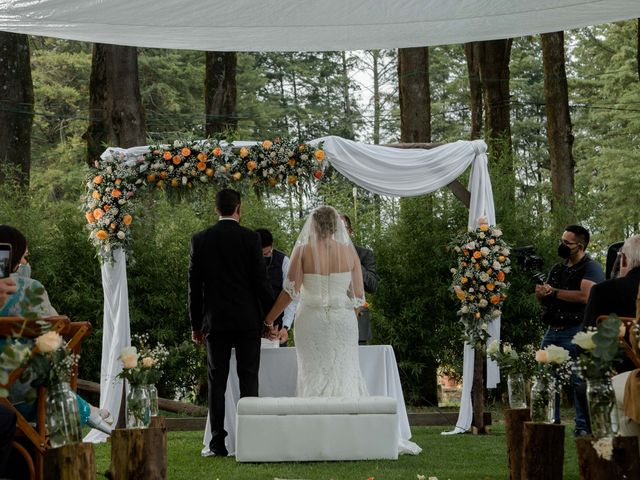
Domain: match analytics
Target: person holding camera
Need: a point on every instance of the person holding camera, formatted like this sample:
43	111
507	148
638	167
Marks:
563	297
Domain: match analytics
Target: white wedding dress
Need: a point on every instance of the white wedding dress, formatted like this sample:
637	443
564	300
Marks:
327	339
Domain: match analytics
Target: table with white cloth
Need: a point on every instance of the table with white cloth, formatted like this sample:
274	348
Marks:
278	372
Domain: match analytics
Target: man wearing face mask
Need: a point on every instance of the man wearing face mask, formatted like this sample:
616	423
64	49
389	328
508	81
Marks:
563	298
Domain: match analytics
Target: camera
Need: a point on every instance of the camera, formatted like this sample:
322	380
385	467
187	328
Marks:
530	263
5	260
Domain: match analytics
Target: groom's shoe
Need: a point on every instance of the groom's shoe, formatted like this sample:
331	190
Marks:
217	451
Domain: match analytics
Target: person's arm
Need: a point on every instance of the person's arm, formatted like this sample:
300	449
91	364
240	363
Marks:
7	287
574	296
195	293
281	303
369	274
290	310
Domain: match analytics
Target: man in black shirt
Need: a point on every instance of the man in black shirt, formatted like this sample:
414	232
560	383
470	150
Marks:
563	298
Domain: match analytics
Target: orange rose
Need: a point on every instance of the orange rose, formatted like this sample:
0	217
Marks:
90	218
292	162
160	184
167	155
106	207
237	176
466	252
163	175
461	295
501	276
101	235
98	213
177	160
96	195
127	219
490	287
112	226
272	182
491	241
319	155
292	179
98	179
118	181
201	166
318	174
151	177
484	227
495	299
217	151
501	258
251	165
209	172
477	254
244	152
202	157
477	314
185	152
301	148
174	182
115	193
267	144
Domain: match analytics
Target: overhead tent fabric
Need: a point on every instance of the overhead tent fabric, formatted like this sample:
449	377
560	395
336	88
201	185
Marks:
302	25
383	170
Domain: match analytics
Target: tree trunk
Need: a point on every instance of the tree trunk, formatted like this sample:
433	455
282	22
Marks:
70	462
494	56
514	428
477	391
375	56
139	453
475	88
559	133
415	95
543	451
16	114
117	117
220	92
638	50
348	131
624	462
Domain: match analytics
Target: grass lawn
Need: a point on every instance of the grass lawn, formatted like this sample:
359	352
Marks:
446	457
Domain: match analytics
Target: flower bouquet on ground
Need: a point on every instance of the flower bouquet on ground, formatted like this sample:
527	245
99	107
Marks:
601	350
479	279
519	368
554	371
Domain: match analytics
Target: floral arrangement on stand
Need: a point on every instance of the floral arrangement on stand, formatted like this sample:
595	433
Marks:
554	370
600	351
479	279
112	189
141	368
519	368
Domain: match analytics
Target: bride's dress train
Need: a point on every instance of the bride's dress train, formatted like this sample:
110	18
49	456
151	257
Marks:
326	336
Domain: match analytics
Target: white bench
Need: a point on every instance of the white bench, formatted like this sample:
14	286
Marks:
291	429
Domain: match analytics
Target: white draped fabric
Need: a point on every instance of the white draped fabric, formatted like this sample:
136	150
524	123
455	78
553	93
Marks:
302	25
115	336
383	170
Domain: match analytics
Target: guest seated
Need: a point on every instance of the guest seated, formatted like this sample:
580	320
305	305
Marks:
7	431
15	290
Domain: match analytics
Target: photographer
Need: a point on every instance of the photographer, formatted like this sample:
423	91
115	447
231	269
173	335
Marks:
563	297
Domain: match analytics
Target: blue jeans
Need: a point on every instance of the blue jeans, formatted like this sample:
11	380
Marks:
562	338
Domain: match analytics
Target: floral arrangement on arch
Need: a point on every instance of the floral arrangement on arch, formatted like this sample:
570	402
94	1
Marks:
479	279
118	179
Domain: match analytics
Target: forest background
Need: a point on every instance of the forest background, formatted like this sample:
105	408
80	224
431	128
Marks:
310	95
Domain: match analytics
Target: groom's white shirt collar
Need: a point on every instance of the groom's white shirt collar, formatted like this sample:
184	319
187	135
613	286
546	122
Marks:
228	218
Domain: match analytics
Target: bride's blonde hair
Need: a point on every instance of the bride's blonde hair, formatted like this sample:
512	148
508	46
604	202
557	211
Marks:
325	221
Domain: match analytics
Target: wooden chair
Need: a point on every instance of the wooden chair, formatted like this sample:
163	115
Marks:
31	440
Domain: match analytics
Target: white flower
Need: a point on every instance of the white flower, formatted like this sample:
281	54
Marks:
493	347
496	265
184	180
557	354
496	312
484	251
506	269
454	271
485	263
470	246
483	221
121	235
48	342
506	348
464	309
483	303
481	235
505	252
496	232
584	340
484	326
541	356
176	143
604	448
484	277
129	357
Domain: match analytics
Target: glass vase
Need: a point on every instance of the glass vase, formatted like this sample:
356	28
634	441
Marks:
542	402
138	407
517	392
153	400
63	417
603	412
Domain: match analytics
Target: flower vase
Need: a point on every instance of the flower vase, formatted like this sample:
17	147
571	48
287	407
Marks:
603	412
517	393
138	407
542	402
63	417
153	400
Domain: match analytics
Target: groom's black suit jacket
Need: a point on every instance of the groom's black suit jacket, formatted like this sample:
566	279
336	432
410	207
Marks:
228	284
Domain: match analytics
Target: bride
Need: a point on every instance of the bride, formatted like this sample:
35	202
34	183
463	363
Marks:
325	271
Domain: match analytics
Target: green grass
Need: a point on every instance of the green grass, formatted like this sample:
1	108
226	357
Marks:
446	457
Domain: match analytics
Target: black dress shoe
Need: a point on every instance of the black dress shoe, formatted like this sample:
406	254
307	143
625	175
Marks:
218	451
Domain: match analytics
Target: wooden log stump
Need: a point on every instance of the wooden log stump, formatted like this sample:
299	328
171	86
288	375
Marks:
138	453
543	451
624	461
71	462
514	425
158	422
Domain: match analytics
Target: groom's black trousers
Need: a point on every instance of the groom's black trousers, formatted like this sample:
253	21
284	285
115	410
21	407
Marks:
219	345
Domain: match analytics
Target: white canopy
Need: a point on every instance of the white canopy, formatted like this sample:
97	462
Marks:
302	25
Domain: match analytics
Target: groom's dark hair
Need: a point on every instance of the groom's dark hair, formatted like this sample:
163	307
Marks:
266	239
227	200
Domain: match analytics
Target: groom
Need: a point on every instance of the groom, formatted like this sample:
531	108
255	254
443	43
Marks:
229	295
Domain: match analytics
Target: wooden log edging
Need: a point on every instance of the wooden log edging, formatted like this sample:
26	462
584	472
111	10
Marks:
618	458
543	451
70	462
514	429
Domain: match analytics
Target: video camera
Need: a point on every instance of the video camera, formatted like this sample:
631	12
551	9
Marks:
530	263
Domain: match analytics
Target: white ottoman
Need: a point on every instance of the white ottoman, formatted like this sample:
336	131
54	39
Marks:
290	429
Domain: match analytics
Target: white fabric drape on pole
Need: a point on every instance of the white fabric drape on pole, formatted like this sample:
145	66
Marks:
115	336
302	25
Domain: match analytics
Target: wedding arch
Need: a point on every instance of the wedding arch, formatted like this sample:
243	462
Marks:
123	175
